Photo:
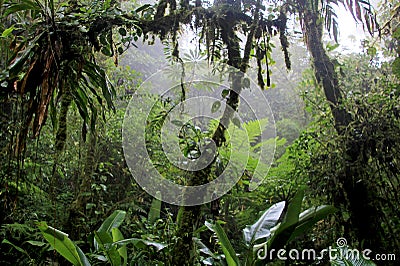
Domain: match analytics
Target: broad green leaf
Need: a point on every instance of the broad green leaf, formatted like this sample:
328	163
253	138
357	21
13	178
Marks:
7	32
310	217
261	228
155	209
203	248
294	208
140	243
123	252
83	259
288	225
36	243
104	241
63	245
103	238
113	221
229	252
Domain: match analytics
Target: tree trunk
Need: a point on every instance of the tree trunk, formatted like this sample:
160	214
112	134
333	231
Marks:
363	216
77	208
61	135
324	69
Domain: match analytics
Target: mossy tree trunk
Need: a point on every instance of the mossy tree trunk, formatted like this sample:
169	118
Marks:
77	208
61	135
356	193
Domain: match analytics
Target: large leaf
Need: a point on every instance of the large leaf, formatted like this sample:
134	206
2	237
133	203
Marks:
63	245
104	241
203	248
289	223
123	252
310	217
36	243
83	259
229	252
140	243
261	228
113	221
8	31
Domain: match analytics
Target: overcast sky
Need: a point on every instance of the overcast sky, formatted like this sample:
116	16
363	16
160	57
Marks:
351	33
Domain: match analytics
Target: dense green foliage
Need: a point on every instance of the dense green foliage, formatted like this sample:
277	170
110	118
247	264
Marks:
67	195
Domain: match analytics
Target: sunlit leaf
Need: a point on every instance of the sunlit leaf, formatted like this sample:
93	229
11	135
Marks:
261	228
8	31
63	245
104	241
123	251
140	243
113	221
